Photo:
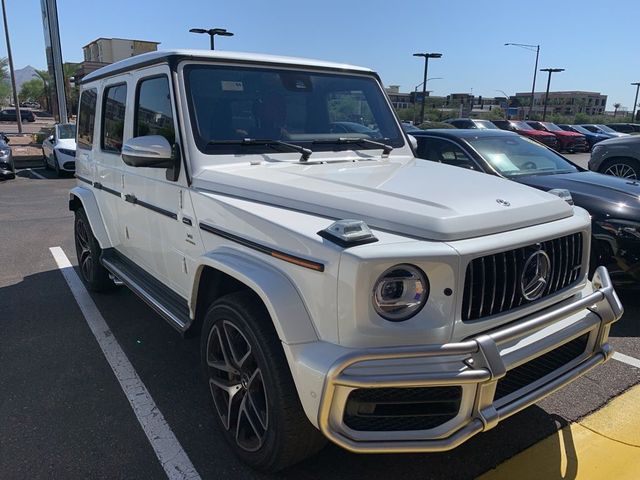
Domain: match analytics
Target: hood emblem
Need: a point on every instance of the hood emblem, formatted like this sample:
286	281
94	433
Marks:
535	275
502	202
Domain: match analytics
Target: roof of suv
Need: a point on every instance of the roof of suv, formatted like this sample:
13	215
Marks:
150	58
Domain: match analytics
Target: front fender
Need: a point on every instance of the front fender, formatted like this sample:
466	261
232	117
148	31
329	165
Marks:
290	317
81	196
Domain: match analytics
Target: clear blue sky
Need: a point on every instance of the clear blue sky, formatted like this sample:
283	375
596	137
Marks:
595	41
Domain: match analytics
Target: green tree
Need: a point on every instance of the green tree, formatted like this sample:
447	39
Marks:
32	90
5	84
616	106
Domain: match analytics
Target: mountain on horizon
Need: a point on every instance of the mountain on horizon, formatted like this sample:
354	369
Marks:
24	75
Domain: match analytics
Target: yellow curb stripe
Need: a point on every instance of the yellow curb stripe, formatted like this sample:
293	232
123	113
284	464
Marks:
603	445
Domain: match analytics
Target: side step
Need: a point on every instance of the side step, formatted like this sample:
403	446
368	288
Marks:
169	305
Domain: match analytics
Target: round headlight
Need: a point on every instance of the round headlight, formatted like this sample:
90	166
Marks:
400	292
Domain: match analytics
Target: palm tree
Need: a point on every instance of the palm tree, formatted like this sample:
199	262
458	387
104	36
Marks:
44	76
616	106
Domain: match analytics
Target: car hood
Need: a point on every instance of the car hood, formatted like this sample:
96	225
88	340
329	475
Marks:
67	143
403	195
597	193
535	133
632	141
564	133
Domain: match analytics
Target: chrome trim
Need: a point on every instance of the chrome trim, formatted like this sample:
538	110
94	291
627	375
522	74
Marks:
144	295
484	367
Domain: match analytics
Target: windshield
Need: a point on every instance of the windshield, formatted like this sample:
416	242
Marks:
552	127
513	156
604	128
230	104
578	128
66	130
485	124
522	126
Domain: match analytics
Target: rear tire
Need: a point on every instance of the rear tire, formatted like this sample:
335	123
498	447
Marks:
622	167
88	251
256	403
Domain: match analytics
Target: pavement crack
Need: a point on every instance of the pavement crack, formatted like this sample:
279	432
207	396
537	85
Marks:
608	437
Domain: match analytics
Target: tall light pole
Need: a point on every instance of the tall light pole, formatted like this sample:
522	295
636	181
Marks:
415	94
11	71
426	57
635	102
546	95
535	69
212	32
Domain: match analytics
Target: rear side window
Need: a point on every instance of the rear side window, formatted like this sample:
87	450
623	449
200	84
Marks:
115	98
87	118
154	115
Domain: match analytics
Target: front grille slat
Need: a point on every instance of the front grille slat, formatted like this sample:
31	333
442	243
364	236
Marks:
492	282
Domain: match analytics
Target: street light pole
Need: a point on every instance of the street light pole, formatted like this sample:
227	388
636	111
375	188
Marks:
11	70
212	32
635	102
535	69
546	95
426	57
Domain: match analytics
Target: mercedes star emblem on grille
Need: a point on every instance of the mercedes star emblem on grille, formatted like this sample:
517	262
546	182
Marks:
535	274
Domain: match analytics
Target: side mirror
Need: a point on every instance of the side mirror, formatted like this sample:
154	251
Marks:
152	151
51	138
413	141
5	138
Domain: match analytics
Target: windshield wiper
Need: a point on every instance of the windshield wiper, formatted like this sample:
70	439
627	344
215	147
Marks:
386	149
275	144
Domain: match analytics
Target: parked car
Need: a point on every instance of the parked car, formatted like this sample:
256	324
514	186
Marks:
567	141
598	128
619	157
630	128
523	128
59	149
408	127
612	202
352	127
471	123
592	138
341	288
7	165
9	115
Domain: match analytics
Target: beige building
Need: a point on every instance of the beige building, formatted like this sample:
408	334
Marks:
565	103
109	50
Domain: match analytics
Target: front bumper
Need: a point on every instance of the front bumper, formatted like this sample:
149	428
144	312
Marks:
481	362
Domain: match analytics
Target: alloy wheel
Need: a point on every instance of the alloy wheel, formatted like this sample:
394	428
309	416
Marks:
621	170
85	260
237	385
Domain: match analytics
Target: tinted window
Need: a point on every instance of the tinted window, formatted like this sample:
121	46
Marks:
154	115
87	118
113	117
66	130
229	104
443	151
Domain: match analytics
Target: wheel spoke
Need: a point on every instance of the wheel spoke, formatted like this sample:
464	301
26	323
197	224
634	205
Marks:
256	389
239	346
247	418
219	340
223	398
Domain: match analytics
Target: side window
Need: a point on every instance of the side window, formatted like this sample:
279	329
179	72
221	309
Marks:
87	118
154	115
113	110
444	151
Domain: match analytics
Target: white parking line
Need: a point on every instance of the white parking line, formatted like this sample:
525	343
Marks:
33	172
621	357
172	457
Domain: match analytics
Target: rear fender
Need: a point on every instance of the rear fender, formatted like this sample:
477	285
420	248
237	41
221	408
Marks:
81	197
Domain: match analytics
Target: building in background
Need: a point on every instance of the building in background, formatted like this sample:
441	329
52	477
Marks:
565	103
399	100
104	51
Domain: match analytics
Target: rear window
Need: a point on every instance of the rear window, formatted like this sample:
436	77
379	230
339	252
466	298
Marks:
86	118
115	98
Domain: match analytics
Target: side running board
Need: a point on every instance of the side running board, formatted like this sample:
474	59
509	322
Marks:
167	303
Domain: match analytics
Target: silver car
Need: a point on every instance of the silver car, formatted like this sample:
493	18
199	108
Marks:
617	156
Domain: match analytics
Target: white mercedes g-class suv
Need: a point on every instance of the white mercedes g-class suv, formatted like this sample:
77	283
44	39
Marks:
342	288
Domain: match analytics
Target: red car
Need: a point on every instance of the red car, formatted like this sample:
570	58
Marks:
523	128
567	141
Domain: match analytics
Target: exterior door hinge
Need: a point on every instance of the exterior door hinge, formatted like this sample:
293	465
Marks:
180	203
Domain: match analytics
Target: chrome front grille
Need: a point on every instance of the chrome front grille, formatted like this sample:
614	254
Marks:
493	282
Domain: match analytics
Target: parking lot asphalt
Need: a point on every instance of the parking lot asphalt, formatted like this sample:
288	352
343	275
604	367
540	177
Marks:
63	414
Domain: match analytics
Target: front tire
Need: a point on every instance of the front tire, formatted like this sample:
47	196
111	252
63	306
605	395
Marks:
88	251
622	167
255	400
45	160
56	165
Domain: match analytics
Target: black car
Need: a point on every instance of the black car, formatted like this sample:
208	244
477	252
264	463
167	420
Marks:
625	127
612	202
471	123
7	167
9	115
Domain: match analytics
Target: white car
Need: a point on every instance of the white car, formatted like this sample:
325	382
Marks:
59	149
341	288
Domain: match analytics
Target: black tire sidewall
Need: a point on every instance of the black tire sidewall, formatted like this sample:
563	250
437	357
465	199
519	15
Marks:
630	162
99	280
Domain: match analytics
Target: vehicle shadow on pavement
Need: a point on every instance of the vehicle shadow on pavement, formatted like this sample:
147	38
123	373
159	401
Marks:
48	174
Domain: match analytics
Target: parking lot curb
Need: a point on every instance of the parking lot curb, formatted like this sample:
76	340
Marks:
603	445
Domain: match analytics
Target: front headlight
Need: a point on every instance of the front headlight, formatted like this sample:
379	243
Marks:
71	153
623	229
400	293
